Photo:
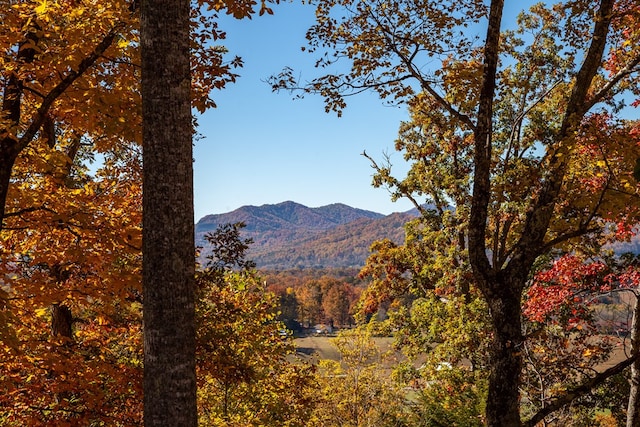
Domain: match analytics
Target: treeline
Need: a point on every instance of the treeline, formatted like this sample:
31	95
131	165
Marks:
311	297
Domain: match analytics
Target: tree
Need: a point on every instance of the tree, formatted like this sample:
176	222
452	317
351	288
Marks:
336	304
309	297
69	241
437	322
79	258
244	376
70	91
355	392
168	269
561	308
52	65
287	307
539	158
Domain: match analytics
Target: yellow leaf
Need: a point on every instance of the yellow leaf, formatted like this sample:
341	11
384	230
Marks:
42	8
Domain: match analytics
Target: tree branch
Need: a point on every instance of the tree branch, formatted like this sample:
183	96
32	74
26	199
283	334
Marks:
29	210
579	391
424	83
541	211
629	69
395	183
483	148
64	84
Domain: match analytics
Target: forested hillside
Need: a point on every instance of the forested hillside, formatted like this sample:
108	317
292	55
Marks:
290	235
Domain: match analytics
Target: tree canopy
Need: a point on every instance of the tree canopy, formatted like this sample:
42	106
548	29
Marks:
518	142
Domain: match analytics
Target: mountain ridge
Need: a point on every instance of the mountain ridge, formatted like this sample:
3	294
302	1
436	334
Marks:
290	235
293	213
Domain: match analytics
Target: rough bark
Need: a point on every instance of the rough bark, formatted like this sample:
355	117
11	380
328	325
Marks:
61	321
503	397
483	148
168	227
633	407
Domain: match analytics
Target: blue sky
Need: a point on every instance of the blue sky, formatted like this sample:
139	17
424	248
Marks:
265	148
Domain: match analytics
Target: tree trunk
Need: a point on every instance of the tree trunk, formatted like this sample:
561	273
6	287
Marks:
168	226
12	112
503	398
633	407
61	321
502	296
502	287
6	167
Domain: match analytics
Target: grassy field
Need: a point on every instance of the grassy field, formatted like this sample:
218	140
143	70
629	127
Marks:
320	347
317	347
314	348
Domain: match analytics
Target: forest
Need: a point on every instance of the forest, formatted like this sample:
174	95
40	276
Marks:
509	301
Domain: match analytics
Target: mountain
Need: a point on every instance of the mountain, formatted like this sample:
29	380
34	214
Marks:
290	235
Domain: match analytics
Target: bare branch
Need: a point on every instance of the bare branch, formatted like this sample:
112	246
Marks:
396	184
424	83
580	391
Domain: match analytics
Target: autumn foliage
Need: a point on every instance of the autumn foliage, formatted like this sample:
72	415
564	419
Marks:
522	147
523	158
70	214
